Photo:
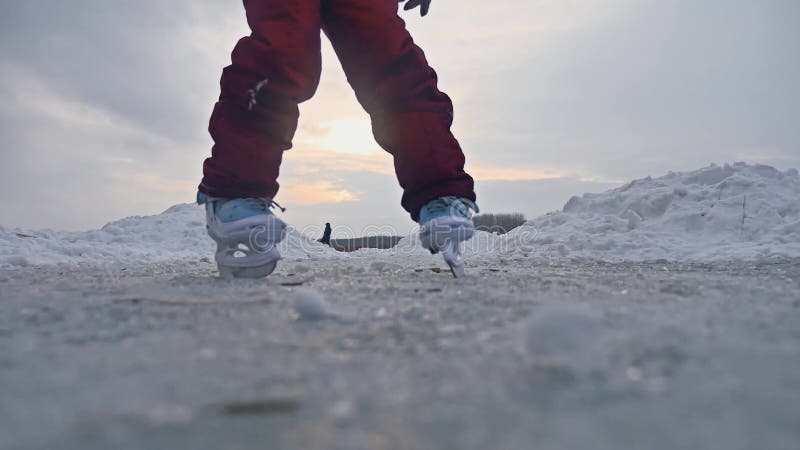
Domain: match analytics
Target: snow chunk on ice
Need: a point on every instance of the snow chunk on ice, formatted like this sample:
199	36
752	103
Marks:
309	304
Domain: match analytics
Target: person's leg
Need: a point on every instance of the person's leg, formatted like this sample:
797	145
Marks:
272	70
411	118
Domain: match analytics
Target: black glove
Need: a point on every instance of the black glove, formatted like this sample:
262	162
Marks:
424	5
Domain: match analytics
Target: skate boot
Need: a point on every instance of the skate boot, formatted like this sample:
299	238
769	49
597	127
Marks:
246	233
444	223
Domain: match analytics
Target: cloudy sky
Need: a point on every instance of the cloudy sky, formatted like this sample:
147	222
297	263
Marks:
104	104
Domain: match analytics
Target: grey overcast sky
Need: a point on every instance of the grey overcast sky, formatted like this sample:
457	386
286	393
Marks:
104	104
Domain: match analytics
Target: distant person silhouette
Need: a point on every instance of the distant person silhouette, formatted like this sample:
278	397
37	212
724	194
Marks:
326	235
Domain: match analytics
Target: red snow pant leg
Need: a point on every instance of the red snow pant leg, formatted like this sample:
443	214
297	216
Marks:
272	70
411	118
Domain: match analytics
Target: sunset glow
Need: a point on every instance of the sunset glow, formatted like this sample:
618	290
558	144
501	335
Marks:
298	191
345	135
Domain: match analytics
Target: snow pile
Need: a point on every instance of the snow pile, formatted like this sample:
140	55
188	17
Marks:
176	234
730	212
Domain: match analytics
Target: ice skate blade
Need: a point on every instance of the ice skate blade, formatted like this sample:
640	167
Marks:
457	270
452	256
247	272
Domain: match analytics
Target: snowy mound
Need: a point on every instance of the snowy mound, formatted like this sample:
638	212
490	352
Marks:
718	213
730	212
176	234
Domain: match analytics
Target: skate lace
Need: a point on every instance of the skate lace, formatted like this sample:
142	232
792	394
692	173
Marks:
440	204
262	204
274	204
443	203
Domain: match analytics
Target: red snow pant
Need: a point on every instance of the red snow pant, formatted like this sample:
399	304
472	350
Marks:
278	66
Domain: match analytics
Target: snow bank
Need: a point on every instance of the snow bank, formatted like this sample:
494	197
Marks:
176	234
730	212
717	213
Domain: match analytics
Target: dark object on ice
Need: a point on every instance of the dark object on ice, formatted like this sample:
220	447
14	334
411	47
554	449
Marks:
498	223
353	244
326	235
271	405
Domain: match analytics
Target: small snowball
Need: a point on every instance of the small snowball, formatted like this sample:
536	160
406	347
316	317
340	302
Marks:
309	304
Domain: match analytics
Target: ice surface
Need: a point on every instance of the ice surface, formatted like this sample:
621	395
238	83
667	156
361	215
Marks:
580	355
717	213
562	335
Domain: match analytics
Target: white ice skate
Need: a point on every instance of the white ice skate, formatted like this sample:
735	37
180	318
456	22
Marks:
444	223
246	233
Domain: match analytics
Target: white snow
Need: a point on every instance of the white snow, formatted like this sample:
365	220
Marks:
309	304
729	212
176	234
717	213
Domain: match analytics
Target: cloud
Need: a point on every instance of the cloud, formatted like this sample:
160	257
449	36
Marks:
347	134
533	197
299	191
148	61
511	173
104	107
71	163
305	161
658	85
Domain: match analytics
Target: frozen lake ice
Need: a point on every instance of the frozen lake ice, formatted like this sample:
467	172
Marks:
400	355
